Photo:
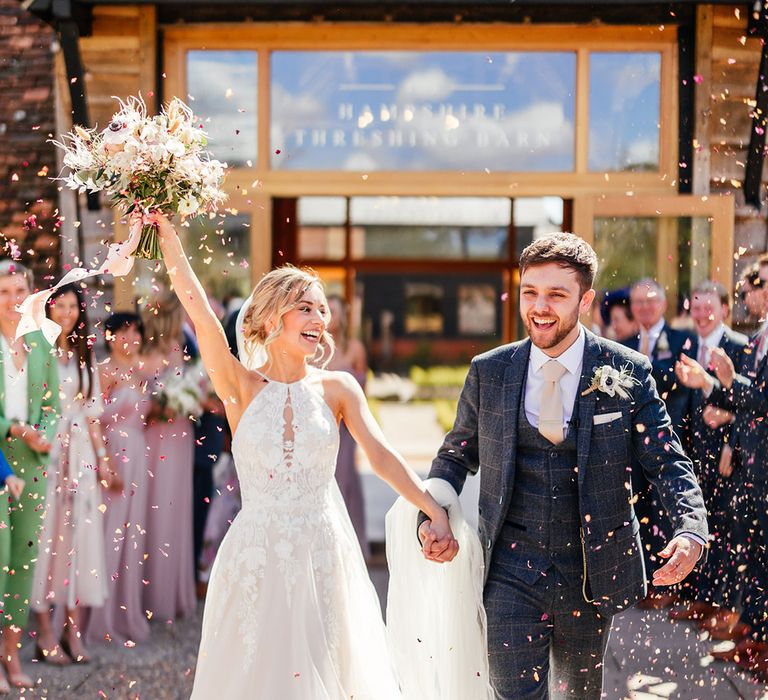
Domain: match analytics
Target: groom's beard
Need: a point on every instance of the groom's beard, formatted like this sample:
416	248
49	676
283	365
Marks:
550	338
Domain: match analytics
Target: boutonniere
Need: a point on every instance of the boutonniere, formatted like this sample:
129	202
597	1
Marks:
612	381
662	344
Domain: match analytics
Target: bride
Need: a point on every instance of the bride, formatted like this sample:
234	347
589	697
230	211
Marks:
290	611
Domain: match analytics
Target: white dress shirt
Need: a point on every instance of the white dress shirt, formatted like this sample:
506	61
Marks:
653	334
16	393
706	343
572	359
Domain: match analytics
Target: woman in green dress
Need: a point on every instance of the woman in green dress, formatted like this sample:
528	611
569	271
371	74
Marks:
29	410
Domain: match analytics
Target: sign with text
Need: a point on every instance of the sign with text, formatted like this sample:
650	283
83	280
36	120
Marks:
401	110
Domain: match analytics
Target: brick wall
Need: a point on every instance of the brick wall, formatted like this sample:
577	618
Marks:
28	197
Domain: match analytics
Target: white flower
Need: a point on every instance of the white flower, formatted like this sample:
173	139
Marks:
116	134
175	147
612	381
188	205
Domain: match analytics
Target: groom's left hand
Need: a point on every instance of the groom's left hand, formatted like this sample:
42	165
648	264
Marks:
683	553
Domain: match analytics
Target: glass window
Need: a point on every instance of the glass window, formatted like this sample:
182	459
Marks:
673	250
428	318
624	98
424	308
219	249
534	217
406	110
477	309
322	228
222	92
452	228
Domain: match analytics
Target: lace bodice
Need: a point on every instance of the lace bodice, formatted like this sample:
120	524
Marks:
285	448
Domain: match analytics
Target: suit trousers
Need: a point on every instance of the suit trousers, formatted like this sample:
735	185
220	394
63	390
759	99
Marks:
544	640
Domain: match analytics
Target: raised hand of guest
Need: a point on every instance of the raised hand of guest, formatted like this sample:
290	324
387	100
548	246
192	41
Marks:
691	374
723	367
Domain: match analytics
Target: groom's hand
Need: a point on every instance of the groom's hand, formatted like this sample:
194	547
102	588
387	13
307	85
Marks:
434	548
683	553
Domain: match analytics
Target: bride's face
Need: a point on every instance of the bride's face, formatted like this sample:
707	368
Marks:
304	324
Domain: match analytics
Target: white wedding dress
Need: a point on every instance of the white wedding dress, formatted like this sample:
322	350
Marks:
291	612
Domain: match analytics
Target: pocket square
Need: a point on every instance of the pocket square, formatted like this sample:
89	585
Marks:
603	418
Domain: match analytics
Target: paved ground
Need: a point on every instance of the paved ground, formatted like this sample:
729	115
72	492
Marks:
648	658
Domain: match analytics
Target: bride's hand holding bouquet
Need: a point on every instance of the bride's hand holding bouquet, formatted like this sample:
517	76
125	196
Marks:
144	164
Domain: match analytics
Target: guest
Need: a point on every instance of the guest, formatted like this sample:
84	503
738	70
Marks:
617	314
349	357
751	291
71	570
662	345
711	451
170	589
745	394
29	410
122	618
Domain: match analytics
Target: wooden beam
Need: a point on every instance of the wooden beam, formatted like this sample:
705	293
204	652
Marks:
369	35
703	100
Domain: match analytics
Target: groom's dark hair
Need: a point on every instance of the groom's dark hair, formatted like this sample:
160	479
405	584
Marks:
566	250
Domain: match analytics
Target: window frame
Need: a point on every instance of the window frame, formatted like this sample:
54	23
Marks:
581	40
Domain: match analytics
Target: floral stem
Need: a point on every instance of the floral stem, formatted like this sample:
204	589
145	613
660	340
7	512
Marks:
149	244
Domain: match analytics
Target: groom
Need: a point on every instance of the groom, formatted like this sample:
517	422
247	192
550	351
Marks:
557	525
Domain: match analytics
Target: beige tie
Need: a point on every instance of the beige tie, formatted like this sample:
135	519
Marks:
551	408
645	343
703	357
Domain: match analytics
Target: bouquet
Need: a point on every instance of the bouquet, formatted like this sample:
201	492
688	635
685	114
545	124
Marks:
182	394
146	164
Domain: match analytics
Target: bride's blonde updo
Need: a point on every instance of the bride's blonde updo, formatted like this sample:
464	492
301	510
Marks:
278	292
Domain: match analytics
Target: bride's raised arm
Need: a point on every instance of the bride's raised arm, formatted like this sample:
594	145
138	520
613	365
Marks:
228	375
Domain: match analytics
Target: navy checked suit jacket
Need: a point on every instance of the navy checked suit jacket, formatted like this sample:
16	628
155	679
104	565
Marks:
484	437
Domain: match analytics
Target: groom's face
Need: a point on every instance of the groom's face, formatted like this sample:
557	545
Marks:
550	304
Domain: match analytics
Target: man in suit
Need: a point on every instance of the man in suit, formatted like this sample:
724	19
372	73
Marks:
551	423
711	452
746	395
662	345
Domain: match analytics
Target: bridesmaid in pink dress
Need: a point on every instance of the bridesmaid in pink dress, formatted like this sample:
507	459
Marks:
350	356
122	618
169	569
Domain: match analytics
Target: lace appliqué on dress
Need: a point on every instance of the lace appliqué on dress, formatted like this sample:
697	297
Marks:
284	449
